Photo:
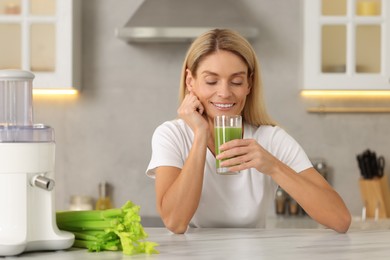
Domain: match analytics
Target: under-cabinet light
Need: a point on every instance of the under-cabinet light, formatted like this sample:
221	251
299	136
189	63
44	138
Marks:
345	93
41	91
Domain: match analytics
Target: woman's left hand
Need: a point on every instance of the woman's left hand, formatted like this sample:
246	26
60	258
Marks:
242	154
308	188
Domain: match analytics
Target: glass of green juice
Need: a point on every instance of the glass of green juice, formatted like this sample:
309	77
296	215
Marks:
226	128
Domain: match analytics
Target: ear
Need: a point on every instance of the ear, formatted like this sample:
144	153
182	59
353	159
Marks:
250	84
189	80
248	91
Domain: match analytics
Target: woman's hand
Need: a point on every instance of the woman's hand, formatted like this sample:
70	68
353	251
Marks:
308	188
192	111
178	191
242	154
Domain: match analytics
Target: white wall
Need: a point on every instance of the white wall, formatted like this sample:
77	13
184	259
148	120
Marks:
127	90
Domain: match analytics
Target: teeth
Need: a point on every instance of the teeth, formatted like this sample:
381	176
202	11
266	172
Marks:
223	105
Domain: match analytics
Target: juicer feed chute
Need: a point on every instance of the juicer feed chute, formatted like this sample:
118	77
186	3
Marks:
27	159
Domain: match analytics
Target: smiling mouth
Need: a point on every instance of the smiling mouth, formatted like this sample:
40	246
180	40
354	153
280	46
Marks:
223	105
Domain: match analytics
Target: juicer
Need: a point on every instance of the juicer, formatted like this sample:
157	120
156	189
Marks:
27	159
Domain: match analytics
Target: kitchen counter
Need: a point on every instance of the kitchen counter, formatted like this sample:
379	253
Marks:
286	243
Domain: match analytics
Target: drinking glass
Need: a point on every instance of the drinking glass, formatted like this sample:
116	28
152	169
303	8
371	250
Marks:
226	128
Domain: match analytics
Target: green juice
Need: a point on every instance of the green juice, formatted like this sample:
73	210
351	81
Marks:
221	136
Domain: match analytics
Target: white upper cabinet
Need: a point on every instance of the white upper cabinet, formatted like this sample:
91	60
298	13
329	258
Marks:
42	36
347	44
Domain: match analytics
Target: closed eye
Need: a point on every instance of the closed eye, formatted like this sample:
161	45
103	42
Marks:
211	82
237	83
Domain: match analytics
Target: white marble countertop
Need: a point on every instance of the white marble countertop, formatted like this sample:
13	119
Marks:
284	243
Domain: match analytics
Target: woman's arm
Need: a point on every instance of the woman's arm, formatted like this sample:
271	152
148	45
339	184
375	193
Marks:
315	196
178	191
308	188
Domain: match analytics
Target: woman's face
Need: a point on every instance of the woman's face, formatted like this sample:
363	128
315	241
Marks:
221	84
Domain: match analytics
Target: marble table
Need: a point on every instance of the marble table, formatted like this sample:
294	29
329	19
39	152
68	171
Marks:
249	244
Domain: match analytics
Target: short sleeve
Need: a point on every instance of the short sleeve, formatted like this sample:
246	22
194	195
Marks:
165	148
289	151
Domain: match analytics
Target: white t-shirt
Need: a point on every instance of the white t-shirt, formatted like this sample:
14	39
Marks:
228	200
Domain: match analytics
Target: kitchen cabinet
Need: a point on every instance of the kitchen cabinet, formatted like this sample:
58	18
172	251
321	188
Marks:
42	36
346	45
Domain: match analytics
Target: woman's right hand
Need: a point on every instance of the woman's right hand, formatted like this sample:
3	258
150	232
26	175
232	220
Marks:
178	191
192	112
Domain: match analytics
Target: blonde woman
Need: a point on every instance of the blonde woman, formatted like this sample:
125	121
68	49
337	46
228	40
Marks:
221	76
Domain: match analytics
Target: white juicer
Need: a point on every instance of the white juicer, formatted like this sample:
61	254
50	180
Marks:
27	155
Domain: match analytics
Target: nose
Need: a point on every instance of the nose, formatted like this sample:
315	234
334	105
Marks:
224	90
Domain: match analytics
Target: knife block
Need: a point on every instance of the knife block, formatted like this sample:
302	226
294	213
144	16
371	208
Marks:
376	196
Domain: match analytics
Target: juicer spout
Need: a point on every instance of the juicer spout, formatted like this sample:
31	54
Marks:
42	182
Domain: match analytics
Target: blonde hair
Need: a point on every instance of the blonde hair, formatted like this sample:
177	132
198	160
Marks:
254	111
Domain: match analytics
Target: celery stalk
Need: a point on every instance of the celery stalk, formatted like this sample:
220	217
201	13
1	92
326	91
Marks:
89	224
111	229
95	246
65	216
84	236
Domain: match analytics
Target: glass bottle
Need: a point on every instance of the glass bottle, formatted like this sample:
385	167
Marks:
104	201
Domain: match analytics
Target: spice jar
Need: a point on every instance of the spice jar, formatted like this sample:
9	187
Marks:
280	201
104	201
81	202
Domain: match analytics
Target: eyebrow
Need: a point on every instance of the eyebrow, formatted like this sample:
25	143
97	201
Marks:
215	74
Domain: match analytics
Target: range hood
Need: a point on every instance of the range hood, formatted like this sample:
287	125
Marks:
184	20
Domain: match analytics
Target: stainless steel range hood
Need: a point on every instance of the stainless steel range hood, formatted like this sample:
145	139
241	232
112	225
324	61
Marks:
184	20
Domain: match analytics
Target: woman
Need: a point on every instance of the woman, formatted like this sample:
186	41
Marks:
221	76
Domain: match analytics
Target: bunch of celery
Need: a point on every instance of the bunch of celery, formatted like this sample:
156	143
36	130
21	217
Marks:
111	229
